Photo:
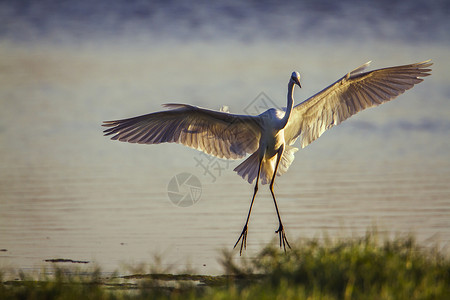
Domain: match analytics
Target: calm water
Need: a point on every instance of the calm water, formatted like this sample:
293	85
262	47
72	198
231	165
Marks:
68	192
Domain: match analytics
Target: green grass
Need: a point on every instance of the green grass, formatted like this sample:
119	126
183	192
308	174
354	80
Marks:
361	268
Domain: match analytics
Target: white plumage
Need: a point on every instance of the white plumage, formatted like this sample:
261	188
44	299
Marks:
269	137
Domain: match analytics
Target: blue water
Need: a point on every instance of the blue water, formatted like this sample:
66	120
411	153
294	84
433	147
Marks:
416	21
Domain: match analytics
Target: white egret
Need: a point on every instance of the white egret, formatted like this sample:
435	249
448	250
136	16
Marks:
269	137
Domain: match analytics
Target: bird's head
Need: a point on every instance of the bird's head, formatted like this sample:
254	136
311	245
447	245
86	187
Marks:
295	78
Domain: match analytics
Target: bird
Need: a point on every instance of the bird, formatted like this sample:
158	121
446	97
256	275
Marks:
268	138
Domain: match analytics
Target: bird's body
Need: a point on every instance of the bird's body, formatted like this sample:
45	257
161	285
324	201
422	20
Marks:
269	137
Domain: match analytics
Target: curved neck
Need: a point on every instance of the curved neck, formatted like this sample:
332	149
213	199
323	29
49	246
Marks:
290	104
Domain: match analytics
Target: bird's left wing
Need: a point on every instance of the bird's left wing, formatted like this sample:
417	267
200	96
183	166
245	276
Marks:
216	133
347	96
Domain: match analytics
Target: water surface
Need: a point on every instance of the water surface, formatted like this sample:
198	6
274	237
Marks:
68	192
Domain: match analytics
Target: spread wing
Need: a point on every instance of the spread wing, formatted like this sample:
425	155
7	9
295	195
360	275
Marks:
216	133
347	96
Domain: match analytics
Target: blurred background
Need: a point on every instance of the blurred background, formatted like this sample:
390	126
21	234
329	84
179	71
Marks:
68	192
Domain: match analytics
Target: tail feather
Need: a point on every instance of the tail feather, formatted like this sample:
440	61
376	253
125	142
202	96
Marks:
248	169
286	159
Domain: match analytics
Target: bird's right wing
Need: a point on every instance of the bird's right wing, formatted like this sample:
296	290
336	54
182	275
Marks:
216	133
352	93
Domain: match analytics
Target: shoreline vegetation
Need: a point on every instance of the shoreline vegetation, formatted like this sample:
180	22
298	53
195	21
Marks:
368	267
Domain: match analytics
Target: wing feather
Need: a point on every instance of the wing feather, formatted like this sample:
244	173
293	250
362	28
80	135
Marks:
216	133
349	95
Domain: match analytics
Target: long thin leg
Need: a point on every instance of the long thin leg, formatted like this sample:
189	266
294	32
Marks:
280	231
243	235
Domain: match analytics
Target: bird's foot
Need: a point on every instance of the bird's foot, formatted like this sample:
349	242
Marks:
243	239
283	239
